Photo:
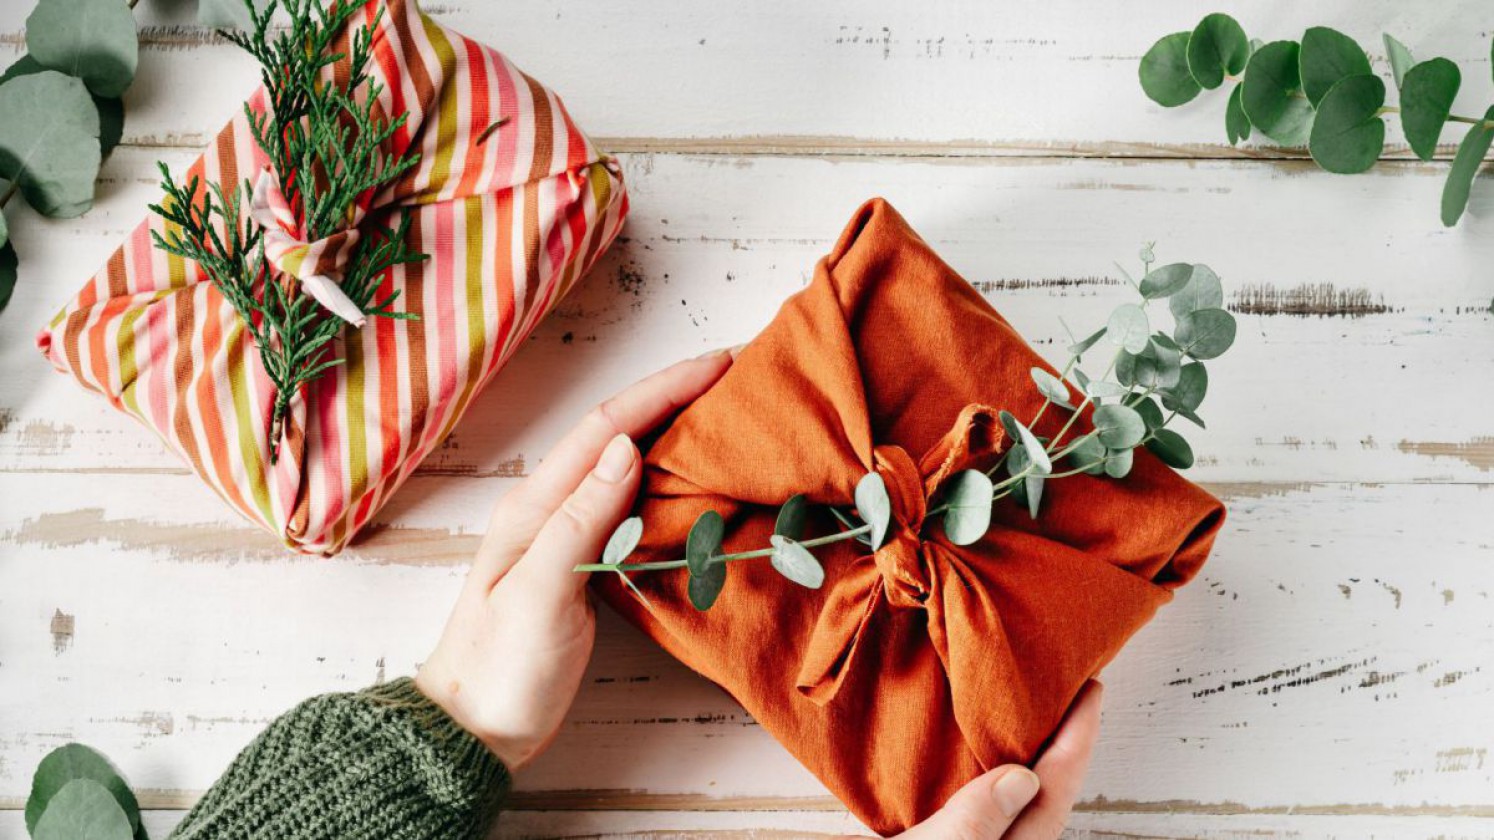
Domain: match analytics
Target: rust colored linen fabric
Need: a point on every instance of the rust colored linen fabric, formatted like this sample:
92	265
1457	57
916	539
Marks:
916	668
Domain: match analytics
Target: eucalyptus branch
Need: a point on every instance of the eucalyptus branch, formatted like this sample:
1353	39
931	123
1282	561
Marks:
1321	92
328	149
1145	366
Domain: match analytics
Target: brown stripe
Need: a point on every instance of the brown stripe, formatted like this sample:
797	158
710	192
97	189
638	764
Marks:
182	369
413	297
119	276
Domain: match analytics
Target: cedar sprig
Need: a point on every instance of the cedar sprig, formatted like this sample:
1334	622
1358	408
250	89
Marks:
327	144
1146	368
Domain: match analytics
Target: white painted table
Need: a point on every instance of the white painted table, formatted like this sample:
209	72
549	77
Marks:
1330	675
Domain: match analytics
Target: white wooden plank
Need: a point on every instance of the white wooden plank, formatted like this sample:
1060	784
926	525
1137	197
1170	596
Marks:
1048	78
806	825
1335	654
1358	340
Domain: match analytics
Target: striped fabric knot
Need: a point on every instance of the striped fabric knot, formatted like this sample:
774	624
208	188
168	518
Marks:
317	265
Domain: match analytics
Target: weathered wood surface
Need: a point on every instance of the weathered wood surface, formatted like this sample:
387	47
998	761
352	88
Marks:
1329	676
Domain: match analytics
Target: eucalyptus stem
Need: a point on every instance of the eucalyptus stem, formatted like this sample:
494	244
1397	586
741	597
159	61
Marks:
660	565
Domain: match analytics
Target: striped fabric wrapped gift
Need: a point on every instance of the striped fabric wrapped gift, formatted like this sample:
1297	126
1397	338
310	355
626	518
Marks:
511	218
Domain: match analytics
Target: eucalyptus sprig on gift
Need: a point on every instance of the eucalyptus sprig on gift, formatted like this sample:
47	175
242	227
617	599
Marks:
328	150
1150	377
1320	91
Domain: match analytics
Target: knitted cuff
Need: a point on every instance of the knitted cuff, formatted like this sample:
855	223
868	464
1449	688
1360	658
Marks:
459	770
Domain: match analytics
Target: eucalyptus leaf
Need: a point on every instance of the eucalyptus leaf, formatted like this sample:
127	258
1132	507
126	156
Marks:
1009	424
1083	379
1019	493
1216	48
83	809
1088	455
1193	383
1162	339
1465	166
1204	291
1166	280
4	229
1082	347
1164	73
1426	99
94	40
1348	134
1400	58
791	516
874	506
1205	334
1236	123
1150	414
1268	95
1118	463
111	109
1172	448
794	562
1125	369
1328	56
49	142
968	495
1118	427
704	543
1128	328
1104	389
706	587
623	541
1163	365
1191	416
226	14
9	261
1036	455
72	762
1051	387
1033	484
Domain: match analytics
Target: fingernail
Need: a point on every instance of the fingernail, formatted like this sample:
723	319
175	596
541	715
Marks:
711	354
1014	790
616	460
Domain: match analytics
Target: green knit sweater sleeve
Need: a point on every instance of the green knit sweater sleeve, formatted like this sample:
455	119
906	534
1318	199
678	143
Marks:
380	764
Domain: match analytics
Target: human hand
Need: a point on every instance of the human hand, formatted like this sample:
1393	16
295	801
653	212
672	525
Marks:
510	660
996	804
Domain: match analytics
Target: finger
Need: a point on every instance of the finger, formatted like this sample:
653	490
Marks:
579	528
520	513
982	809
1062	768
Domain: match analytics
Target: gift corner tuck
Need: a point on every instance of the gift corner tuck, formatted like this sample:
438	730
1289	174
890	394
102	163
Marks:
511	202
918	666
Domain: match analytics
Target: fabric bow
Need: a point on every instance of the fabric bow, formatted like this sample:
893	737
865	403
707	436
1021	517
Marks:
317	265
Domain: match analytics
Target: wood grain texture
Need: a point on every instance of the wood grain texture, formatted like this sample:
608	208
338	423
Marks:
964	77
1329	676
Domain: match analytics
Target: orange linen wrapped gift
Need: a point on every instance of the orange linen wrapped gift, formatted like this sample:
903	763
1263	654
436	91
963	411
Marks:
511	202
915	668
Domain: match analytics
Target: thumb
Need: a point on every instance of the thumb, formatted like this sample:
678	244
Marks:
981	810
579	528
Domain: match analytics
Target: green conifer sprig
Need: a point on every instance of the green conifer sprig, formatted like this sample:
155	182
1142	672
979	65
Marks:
328	146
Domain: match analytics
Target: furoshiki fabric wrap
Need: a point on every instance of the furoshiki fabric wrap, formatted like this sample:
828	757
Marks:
511	218
917	667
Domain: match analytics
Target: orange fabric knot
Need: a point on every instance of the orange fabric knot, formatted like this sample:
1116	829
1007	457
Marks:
901	559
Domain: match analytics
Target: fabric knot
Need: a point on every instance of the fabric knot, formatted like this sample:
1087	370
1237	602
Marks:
901	557
316	265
